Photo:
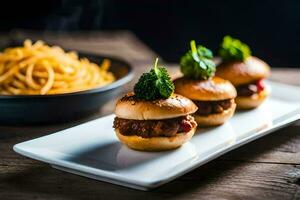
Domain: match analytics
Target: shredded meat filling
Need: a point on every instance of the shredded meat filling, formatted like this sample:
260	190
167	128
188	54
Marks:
155	128
247	90
213	107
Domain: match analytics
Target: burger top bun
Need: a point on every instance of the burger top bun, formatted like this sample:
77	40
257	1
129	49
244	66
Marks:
129	107
239	72
213	89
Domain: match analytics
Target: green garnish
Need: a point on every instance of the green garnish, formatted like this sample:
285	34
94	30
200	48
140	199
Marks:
155	84
197	63
234	49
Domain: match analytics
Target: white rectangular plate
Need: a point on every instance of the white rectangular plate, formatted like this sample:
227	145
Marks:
92	149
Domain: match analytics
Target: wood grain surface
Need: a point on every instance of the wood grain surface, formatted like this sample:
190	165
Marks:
268	168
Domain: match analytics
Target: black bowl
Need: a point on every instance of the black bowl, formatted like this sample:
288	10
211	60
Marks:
33	109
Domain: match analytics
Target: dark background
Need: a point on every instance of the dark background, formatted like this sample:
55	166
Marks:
271	28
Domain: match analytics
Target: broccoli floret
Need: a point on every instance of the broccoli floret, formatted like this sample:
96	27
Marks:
155	84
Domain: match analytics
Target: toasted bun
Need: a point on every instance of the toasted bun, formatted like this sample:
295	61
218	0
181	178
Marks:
155	143
215	119
239	73
213	89
252	101
129	107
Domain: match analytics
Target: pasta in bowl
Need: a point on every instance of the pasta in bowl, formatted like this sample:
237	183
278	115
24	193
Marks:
40	69
68	98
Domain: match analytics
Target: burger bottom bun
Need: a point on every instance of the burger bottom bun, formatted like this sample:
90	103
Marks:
215	119
251	102
155	143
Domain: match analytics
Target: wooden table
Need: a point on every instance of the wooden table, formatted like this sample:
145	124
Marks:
268	168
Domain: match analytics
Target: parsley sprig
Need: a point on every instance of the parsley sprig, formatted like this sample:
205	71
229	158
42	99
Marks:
197	62
233	49
155	84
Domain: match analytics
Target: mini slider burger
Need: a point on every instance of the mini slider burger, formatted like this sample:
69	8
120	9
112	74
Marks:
153	118
245	72
213	96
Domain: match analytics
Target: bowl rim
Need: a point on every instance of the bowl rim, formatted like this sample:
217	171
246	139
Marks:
122	81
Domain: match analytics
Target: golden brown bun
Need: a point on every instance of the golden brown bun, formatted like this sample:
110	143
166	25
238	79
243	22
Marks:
213	89
215	119
175	106
239	73
155	143
252	101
